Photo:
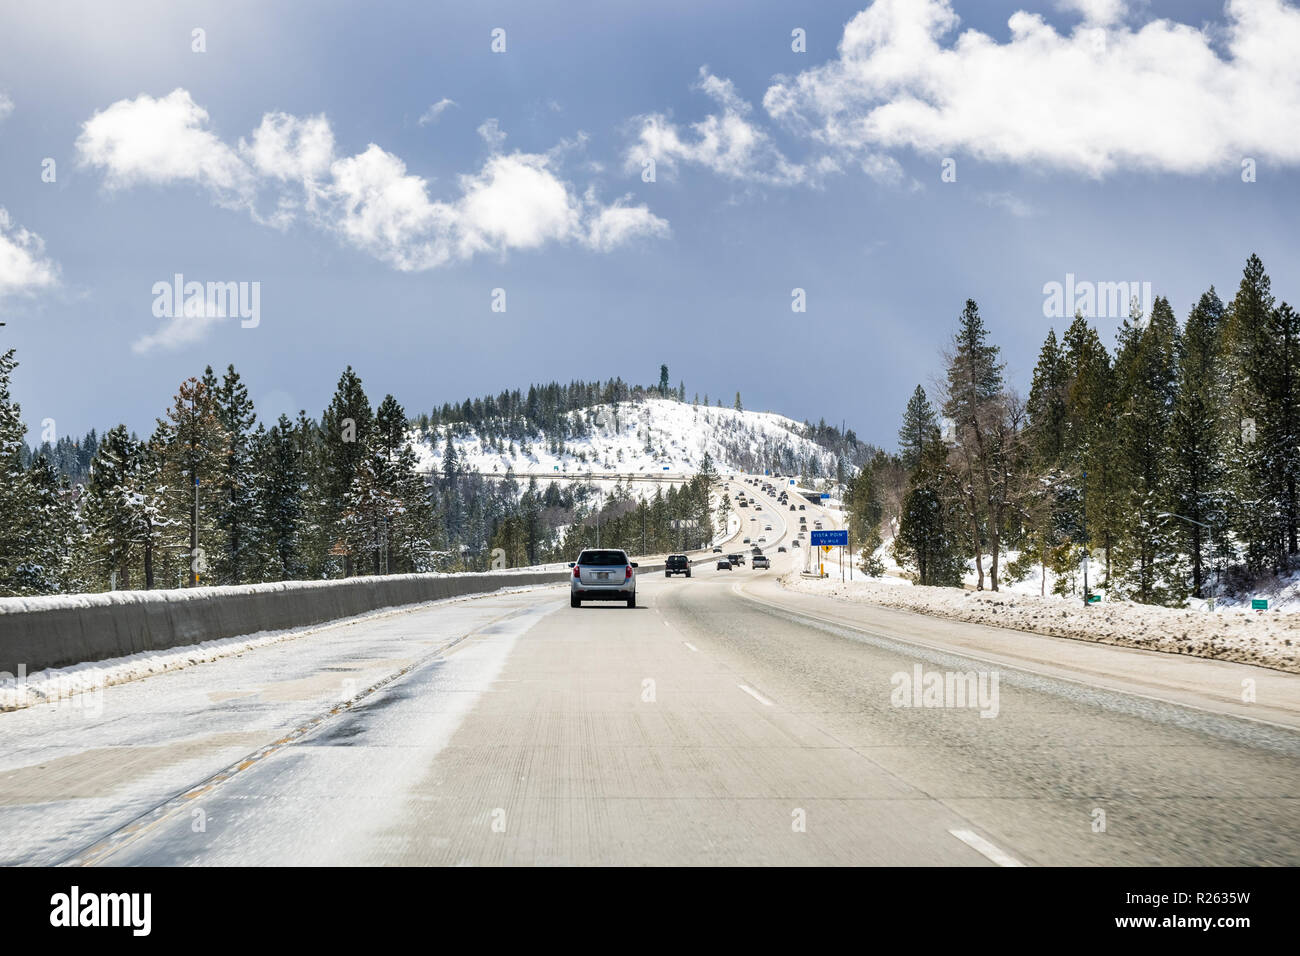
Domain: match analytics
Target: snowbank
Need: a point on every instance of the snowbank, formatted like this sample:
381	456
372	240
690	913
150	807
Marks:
1269	639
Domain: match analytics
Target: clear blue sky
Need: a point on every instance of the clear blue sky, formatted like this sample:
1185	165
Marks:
306	150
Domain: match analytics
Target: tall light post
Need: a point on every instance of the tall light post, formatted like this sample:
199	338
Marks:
1084	489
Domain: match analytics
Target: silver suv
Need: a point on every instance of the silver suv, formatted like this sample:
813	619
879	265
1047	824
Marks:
602	574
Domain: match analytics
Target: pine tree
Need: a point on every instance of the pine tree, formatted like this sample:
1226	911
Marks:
865	514
196	449
1046	405
929	529
110	518
919	422
281	500
738	406
237	519
15	501
985	437
1146	377
1091	450
1198	438
368	511
49	529
344	442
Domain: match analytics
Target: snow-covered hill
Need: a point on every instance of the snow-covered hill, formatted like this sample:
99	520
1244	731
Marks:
646	437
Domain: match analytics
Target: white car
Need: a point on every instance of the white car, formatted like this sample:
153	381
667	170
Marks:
602	574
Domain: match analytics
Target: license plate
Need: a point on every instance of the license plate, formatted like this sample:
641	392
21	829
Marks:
602	575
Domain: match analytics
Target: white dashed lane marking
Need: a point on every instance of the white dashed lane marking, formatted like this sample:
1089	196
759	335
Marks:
984	847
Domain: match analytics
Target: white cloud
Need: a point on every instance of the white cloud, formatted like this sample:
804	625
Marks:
492	134
1008	201
515	202
291	149
370	200
1096	12
177	332
1095	100
727	142
434	111
6	104
162	141
616	224
381	208
23	266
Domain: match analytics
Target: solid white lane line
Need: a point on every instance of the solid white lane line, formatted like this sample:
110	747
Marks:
985	848
754	694
691	646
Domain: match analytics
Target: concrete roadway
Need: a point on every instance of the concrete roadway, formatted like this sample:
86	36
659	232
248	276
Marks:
725	720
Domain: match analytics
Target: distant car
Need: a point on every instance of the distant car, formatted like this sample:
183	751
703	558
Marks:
801	507
758	507
736	559
802	520
761	561
746	541
768	528
763	538
717	550
602	574
677	564
755	550
724	564
780	549
794	543
792	507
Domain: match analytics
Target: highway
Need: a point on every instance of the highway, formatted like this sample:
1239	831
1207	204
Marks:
725	720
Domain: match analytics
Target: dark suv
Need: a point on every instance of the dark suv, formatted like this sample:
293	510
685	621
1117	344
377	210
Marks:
677	564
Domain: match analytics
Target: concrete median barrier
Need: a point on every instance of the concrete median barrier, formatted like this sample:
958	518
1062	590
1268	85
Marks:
61	630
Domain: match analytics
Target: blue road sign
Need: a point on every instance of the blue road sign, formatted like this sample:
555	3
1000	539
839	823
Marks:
823	538
825	496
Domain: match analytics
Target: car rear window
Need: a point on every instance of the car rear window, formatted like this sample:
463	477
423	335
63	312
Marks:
602	558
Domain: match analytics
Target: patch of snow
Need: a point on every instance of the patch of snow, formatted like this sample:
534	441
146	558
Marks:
1269	639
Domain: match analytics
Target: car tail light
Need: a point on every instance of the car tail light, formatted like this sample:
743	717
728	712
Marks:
575	572
628	575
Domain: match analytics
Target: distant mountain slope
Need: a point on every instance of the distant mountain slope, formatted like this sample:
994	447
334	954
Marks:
646	436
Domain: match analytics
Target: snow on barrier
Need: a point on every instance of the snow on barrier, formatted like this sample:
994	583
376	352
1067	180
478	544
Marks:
60	630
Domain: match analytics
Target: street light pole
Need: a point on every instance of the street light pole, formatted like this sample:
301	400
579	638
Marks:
1084	487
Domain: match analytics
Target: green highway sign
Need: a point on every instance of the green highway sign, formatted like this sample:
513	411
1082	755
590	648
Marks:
1259	604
